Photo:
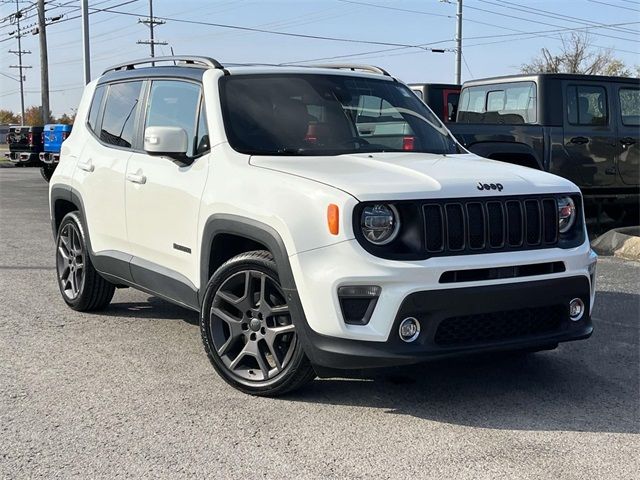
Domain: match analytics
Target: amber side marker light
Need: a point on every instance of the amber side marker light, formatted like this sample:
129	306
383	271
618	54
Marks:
333	219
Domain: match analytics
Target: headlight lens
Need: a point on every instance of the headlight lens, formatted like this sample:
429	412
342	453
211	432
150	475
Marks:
566	214
380	223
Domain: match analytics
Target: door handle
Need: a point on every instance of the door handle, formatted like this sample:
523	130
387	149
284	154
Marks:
136	178
626	141
610	171
86	166
579	140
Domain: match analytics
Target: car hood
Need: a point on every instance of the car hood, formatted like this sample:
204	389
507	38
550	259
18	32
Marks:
405	175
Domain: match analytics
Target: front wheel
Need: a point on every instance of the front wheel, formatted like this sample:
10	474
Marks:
248	330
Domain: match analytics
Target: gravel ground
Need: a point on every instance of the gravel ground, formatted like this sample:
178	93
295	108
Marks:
129	392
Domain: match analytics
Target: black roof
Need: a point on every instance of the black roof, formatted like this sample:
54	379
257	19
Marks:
538	77
182	71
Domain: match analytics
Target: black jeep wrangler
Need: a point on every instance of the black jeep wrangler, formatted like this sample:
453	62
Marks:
582	127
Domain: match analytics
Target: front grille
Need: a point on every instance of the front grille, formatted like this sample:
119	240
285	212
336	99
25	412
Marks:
499	326
489	225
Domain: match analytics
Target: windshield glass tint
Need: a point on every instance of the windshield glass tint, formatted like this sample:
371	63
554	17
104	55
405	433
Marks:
306	114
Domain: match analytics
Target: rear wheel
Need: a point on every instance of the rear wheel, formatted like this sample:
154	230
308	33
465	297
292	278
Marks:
248	330
82	287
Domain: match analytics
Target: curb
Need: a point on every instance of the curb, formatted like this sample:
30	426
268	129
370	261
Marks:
619	242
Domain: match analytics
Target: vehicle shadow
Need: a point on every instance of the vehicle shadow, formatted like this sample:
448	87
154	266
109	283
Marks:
588	386
153	308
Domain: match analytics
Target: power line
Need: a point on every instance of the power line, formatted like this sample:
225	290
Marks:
572	19
616	6
535	21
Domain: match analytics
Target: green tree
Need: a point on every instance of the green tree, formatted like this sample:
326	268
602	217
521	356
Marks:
7	117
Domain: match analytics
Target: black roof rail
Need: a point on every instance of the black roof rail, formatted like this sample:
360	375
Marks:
188	61
353	68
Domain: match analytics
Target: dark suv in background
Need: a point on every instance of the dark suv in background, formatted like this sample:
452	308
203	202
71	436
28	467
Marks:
585	128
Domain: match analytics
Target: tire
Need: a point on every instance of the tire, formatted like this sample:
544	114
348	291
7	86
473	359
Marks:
247	328
47	173
82	288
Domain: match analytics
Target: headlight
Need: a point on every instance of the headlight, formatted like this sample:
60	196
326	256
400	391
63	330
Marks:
380	223
566	214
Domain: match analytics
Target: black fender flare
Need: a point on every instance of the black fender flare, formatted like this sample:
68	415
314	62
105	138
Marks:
486	149
218	224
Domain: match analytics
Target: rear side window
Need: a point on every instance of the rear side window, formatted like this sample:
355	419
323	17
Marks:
120	113
587	105
630	106
173	103
95	108
509	103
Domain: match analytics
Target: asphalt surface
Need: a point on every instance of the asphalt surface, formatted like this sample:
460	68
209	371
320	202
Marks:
130	393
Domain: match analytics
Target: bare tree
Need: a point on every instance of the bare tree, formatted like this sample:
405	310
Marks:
577	55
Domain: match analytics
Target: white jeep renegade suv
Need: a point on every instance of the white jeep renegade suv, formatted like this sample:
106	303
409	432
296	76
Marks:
318	219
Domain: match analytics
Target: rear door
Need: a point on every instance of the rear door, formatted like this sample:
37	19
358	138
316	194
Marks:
163	195
99	175
628	123
589	135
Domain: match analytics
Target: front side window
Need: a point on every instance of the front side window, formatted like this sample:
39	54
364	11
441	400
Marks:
630	106
307	114
586	105
509	103
119	115
174	103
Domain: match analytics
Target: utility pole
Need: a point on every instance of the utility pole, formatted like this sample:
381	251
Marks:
459	44
20	66
84	7
44	63
151	22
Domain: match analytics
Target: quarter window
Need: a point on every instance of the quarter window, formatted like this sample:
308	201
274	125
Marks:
173	103
630	106
95	108
120	114
586	105
203	145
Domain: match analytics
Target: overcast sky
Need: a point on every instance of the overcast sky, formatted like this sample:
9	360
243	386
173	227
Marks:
500	23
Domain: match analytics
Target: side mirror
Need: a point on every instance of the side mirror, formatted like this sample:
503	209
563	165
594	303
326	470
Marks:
170	141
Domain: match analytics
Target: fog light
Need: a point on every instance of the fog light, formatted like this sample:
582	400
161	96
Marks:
576	309
409	329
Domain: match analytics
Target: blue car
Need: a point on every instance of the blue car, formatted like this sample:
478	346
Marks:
52	137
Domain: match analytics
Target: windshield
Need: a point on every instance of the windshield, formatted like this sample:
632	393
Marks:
308	114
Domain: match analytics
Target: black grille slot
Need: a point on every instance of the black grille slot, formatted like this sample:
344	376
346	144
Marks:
496	224
500	326
514	223
550	219
455	226
475	221
435	228
534	227
492	224
495	273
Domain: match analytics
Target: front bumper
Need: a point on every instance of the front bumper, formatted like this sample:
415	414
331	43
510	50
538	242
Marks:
463	321
415	288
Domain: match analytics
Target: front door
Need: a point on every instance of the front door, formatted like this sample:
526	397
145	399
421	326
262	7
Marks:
628	148
163	194
589	136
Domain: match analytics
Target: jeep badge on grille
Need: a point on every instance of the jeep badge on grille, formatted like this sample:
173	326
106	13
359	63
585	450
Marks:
490	186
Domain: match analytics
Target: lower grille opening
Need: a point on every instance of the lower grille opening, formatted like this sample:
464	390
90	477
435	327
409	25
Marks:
479	274
499	326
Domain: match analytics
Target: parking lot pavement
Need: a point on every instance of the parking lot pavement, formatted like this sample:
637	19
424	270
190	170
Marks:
129	392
